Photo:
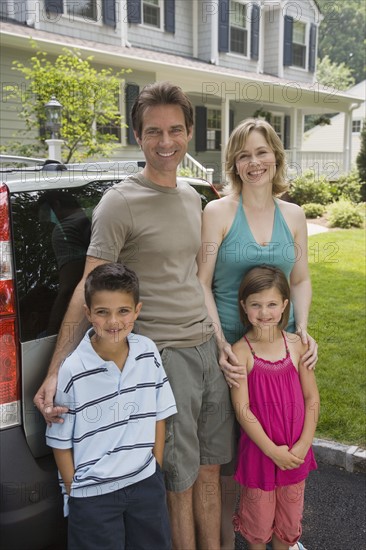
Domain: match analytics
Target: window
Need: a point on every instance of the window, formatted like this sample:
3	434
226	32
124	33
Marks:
238	28
112	128
213	130
299	45
86	9
277	123
151	13
356	126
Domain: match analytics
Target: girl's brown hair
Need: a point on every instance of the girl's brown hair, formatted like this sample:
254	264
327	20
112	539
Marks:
262	278
236	144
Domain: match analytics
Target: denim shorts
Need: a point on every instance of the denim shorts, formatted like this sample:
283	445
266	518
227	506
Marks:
202	432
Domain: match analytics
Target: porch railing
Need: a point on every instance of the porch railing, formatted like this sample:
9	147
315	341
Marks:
326	164
197	169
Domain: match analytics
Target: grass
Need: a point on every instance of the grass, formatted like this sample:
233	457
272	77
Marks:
337	322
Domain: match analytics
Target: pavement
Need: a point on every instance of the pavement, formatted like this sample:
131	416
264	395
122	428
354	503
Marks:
314	228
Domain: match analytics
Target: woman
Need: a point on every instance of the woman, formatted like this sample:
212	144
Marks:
250	226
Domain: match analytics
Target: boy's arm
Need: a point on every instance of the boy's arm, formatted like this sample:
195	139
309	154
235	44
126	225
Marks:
158	449
280	455
65	464
312	405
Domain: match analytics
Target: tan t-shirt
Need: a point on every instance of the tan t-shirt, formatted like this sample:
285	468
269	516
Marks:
156	231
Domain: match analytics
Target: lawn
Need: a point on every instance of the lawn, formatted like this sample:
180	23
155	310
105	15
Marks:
337	321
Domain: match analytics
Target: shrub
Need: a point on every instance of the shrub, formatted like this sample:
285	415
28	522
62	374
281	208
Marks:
344	214
348	186
186	172
306	188
313	209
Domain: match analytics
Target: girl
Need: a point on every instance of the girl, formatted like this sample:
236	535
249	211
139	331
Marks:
277	408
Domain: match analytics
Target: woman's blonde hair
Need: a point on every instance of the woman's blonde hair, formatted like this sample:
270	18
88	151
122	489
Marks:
236	144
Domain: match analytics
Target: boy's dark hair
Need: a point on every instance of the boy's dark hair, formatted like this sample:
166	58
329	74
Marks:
160	93
111	276
262	278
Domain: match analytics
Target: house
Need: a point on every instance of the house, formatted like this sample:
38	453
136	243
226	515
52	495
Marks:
330	138
234	58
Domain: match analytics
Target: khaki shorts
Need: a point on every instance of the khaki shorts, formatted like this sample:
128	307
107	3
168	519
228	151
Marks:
202	432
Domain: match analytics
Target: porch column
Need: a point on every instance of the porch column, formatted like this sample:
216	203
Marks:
347	141
294	135
260	66
225	131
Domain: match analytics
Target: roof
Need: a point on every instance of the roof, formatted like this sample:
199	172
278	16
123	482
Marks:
167	65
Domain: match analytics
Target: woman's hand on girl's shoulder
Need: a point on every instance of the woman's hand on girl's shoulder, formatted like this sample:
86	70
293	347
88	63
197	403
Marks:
309	355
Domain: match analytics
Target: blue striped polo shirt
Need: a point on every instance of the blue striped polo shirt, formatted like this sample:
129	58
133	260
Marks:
112	415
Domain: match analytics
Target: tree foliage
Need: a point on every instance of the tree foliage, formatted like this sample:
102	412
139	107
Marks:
342	34
90	100
333	75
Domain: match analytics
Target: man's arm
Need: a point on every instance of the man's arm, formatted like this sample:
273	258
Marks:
73	328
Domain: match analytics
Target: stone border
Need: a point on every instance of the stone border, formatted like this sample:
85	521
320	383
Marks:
349	457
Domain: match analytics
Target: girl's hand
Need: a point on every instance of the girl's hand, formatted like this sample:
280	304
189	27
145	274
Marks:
310	357
300	449
284	459
230	367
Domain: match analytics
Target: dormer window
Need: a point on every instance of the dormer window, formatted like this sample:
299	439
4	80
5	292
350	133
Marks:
238	28
85	10
299	48
151	13
299	45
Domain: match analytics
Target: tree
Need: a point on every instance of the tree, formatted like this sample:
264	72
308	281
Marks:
342	34
89	98
333	75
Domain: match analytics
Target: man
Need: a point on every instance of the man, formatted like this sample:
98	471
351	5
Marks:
153	225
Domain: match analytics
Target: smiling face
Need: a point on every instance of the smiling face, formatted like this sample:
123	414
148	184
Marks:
256	163
265	308
112	314
164	141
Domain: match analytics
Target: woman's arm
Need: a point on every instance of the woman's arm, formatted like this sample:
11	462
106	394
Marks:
279	454
65	464
312	406
300	285
212	236
158	449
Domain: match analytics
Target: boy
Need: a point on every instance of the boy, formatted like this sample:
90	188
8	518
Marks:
110	446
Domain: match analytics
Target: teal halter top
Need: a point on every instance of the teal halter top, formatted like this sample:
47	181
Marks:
238	253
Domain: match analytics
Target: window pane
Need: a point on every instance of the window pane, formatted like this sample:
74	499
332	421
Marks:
356	126
213	129
238	41
298	55
299	33
238	15
151	13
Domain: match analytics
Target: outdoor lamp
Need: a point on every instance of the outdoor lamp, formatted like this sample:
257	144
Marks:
53	117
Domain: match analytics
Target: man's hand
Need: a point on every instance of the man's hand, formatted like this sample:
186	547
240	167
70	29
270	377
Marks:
310	357
230	367
43	400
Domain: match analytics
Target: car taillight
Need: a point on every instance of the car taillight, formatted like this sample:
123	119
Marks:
9	357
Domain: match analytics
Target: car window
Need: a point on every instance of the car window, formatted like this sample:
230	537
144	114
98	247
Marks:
51	237
206	193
